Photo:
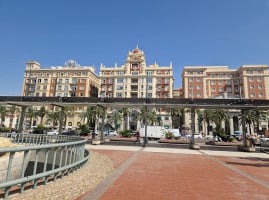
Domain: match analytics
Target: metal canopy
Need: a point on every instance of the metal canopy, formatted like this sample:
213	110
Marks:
135	102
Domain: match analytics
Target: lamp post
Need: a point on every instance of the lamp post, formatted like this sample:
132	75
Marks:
146	112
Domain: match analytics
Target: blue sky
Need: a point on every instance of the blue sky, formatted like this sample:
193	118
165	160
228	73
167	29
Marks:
186	32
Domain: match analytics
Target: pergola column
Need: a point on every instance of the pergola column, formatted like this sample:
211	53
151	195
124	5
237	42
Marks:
231	122
22	116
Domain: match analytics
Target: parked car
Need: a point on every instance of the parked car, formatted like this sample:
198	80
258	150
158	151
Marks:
111	133
213	138
70	132
238	135
52	132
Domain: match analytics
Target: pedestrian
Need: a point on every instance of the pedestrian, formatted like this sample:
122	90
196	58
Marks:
13	133
93	135
137	136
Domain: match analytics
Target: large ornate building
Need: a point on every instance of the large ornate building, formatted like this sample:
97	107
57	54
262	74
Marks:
137	80
64	81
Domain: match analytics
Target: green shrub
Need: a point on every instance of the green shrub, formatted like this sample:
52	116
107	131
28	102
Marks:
84	130
4	129
169	135
40	129
221	133
126	133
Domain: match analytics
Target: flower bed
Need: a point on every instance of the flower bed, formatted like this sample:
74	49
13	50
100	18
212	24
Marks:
128	139
178	141
223	143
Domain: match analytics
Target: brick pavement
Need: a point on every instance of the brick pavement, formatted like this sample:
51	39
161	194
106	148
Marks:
155	173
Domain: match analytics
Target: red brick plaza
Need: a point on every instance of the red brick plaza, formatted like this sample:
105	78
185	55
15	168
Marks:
171	173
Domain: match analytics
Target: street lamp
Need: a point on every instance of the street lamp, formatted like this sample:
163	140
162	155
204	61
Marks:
146	112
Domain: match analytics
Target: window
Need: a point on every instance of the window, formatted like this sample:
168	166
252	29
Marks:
198	79
120	80
81	87
134	73
191	79
213	89
39	80
83	80
44	87
198	87
260	94
66	80
260	87
110	81
213	82
118	94
250	79
220	82
119	87
84	73
149	80
228	82
103	81
45	80
199	94
38	87
74	80
221	89
159	80
59	87
259	79
252	94
60	80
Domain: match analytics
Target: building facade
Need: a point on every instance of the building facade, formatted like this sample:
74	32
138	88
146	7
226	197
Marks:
63	81
246	82
137	80
249	82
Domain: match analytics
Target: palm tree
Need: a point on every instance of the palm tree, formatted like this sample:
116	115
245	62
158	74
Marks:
258	115
3	114
90	116
68	111
177	115
249	116
125	112
100	112
152	117
115	117
31	114
208	118
143	115
53	117
41	113
218	116
11	113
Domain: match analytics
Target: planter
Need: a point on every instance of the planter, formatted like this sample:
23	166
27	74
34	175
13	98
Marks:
194	146
246	148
